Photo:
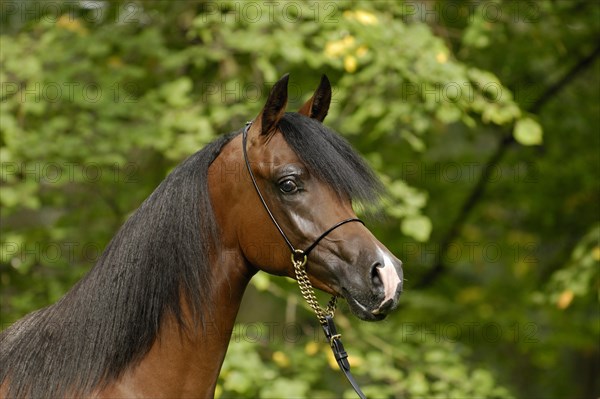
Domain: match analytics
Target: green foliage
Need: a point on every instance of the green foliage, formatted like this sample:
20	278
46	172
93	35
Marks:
528	132
97	106
413	368
580	277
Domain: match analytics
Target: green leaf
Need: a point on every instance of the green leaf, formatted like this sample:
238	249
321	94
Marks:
285	388
528	132
417	227
261	281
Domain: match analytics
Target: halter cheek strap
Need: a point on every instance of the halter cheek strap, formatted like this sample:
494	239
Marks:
299	258
298	254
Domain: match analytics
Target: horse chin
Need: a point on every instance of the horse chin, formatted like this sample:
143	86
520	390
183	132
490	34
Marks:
361	311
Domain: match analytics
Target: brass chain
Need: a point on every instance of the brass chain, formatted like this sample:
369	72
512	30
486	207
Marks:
308	291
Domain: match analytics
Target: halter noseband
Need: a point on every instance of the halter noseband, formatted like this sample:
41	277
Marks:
299	259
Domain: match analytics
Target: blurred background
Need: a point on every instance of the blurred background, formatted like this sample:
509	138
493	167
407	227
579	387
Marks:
482	118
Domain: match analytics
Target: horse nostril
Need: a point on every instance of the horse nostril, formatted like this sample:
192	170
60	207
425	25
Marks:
375	277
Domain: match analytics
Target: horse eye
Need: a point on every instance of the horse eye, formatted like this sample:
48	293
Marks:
288	186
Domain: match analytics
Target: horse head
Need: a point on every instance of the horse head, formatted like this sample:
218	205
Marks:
308	177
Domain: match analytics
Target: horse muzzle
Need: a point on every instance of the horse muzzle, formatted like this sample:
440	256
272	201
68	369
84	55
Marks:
379	295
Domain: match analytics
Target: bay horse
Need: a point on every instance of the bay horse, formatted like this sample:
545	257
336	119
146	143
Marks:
153	317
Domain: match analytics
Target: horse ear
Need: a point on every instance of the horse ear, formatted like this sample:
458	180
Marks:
275	105
318	105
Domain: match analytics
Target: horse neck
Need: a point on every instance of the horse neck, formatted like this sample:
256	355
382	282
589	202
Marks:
186	362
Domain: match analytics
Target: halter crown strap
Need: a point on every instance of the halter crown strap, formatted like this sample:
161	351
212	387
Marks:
255	184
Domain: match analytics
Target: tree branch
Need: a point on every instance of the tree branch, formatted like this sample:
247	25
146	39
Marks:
504	144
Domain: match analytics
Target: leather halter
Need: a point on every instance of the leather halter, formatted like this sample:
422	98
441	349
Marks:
297	253
299	258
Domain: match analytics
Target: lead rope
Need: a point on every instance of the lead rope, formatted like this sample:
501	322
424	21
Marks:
299	259
308	292
325	317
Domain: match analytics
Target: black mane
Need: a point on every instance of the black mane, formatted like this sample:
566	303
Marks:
109	320
111	317
330	157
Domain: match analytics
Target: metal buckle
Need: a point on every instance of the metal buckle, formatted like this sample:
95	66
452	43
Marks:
333	338
299	257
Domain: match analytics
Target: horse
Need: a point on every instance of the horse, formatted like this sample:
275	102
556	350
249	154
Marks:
153	317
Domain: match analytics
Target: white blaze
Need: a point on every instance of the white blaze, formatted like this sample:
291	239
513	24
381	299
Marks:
389	277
